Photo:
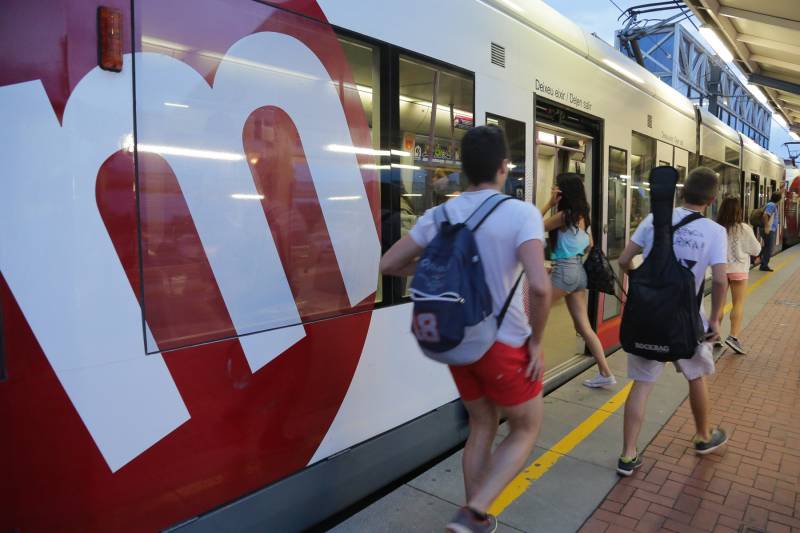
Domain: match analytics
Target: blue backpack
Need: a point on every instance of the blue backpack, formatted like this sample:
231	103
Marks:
452	316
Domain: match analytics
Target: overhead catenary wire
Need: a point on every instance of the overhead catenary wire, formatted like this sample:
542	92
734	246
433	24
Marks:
617	6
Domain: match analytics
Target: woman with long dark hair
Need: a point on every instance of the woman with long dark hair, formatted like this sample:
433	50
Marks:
569	240
742	243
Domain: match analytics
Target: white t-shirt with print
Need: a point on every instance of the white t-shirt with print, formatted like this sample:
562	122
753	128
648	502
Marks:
698	245
512	223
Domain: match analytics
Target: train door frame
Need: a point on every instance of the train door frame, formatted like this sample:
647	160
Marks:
547	112
608	328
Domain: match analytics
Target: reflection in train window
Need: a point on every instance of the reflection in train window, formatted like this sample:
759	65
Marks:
364	61
728	182
643	157
515	134
436	108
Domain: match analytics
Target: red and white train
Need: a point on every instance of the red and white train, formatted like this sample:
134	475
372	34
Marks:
193	203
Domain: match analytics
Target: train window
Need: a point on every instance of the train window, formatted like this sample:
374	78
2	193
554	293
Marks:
729	182
515	133
365	64
731	156
617	211
643	159
248	206
364	61
436	108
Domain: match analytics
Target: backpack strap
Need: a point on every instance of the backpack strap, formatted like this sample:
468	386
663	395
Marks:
507	303
484	210
688	219
440	216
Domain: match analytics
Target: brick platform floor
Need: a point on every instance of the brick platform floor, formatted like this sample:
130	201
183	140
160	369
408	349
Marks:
754	481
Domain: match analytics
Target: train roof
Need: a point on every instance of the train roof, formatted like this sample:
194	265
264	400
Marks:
546	20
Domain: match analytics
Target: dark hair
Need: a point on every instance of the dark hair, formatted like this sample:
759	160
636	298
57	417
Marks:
730	213
482	152
572	203
776	197
701	186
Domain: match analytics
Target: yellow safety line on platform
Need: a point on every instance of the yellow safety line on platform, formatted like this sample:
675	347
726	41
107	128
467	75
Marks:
545	462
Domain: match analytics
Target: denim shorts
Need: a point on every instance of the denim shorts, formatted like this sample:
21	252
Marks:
568	274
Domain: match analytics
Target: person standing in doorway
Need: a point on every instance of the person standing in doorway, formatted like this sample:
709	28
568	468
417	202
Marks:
770	230
508	378
698	246
569	240
742	244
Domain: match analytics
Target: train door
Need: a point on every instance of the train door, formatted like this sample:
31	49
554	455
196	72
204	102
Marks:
665	154
566	142
616	230
681	163
753	188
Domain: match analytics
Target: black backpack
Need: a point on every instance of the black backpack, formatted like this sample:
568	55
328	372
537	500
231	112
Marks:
661	319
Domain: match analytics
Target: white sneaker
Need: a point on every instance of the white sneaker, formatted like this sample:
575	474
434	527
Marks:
600	381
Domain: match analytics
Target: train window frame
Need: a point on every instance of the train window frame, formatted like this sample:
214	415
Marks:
633	184
516	171
394	288
725	171
380	136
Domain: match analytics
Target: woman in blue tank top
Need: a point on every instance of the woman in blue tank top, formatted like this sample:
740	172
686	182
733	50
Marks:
569	240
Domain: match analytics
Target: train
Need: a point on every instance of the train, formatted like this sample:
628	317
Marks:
194	335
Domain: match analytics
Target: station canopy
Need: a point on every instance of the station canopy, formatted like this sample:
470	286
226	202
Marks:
764	38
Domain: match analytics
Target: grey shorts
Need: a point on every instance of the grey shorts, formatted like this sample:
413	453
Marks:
568	274
701	364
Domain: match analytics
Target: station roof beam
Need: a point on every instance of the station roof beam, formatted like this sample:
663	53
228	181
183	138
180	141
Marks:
764	38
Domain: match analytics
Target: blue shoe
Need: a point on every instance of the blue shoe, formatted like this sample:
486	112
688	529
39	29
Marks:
718	438
626	467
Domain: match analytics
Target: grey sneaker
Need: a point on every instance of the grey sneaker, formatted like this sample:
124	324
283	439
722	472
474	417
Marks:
735	345
600	381
625	467
718	438
465	521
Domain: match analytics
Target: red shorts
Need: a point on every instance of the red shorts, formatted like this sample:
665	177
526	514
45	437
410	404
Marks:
499	376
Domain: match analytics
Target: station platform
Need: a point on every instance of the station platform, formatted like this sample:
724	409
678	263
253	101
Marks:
570	483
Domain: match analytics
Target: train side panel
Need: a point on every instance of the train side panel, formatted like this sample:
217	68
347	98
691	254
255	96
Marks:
121	243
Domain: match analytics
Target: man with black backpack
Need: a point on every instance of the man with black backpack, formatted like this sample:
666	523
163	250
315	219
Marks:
698	243
505	375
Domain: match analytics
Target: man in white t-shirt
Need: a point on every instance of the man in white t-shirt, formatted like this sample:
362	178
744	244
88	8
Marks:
698	245
509	375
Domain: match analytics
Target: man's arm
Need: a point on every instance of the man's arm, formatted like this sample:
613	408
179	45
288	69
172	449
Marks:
531	255
719	288
626	257
401	258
